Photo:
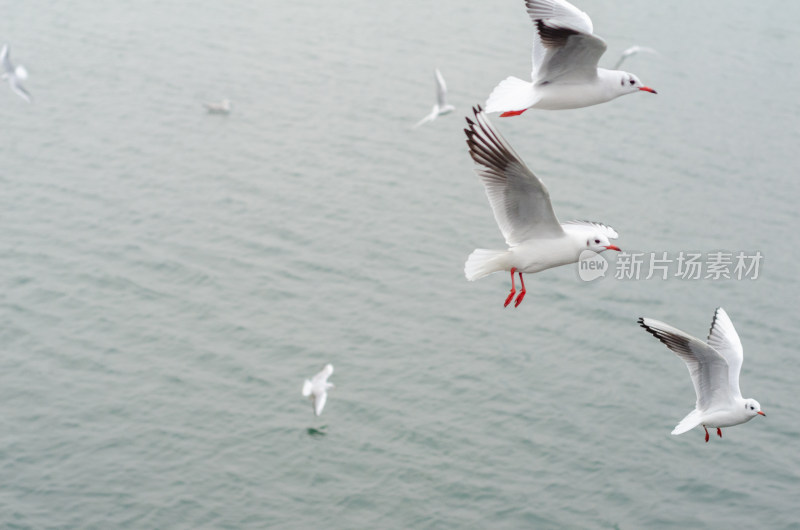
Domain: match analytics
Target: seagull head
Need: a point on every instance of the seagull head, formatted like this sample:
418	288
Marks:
599	242
630	83
752	408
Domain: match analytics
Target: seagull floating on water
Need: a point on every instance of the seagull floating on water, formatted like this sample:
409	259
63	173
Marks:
317	387
441	107
224	107
522	209
714	366
565	73
633	50
14	75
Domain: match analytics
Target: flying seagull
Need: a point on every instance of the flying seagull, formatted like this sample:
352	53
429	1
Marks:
633	50
565	73
441	107
714	366
317	387
224	107
521	205
14	75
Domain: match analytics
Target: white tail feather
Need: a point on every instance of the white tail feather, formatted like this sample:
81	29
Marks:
688	423
512	94
307	388
483	262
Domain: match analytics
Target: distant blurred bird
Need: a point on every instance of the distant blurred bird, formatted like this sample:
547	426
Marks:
14	75
441	107
317	387
223	107
633	50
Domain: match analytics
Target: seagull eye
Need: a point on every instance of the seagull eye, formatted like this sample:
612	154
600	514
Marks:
597	241
632	81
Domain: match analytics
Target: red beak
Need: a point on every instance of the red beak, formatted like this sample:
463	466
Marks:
762	413
648	89
614	247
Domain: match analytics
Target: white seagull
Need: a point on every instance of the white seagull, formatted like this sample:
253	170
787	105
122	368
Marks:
714	367
521	205
317	387
441	107
565	73
223	107
14	75
633	50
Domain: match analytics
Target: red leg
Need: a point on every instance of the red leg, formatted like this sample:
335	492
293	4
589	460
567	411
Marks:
512	113
719	432
513	291
522	292
704	427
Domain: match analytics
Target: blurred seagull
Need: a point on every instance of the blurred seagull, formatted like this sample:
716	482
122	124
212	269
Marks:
317	388
633	50
565	73
522	209
441	107
714	366
14	74
223	107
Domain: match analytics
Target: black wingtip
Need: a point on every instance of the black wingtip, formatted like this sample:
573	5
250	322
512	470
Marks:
553	36
713	321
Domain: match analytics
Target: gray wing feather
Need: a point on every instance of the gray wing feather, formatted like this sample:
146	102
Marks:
708	369
723	338
519	200
569	56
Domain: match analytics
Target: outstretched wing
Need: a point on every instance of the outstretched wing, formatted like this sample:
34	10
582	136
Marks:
19	89
429	117
8	68
519	200
564	46
319	402
323	375
441	90
633	50
708	368
724	339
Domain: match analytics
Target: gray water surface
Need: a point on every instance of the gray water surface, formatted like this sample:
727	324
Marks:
170	277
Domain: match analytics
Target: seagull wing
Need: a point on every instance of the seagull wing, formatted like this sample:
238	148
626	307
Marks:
8	68
564	47
724	339
323	375
519	200
708	368
441	90
319	402
559	12
429	117
633	50
19	89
